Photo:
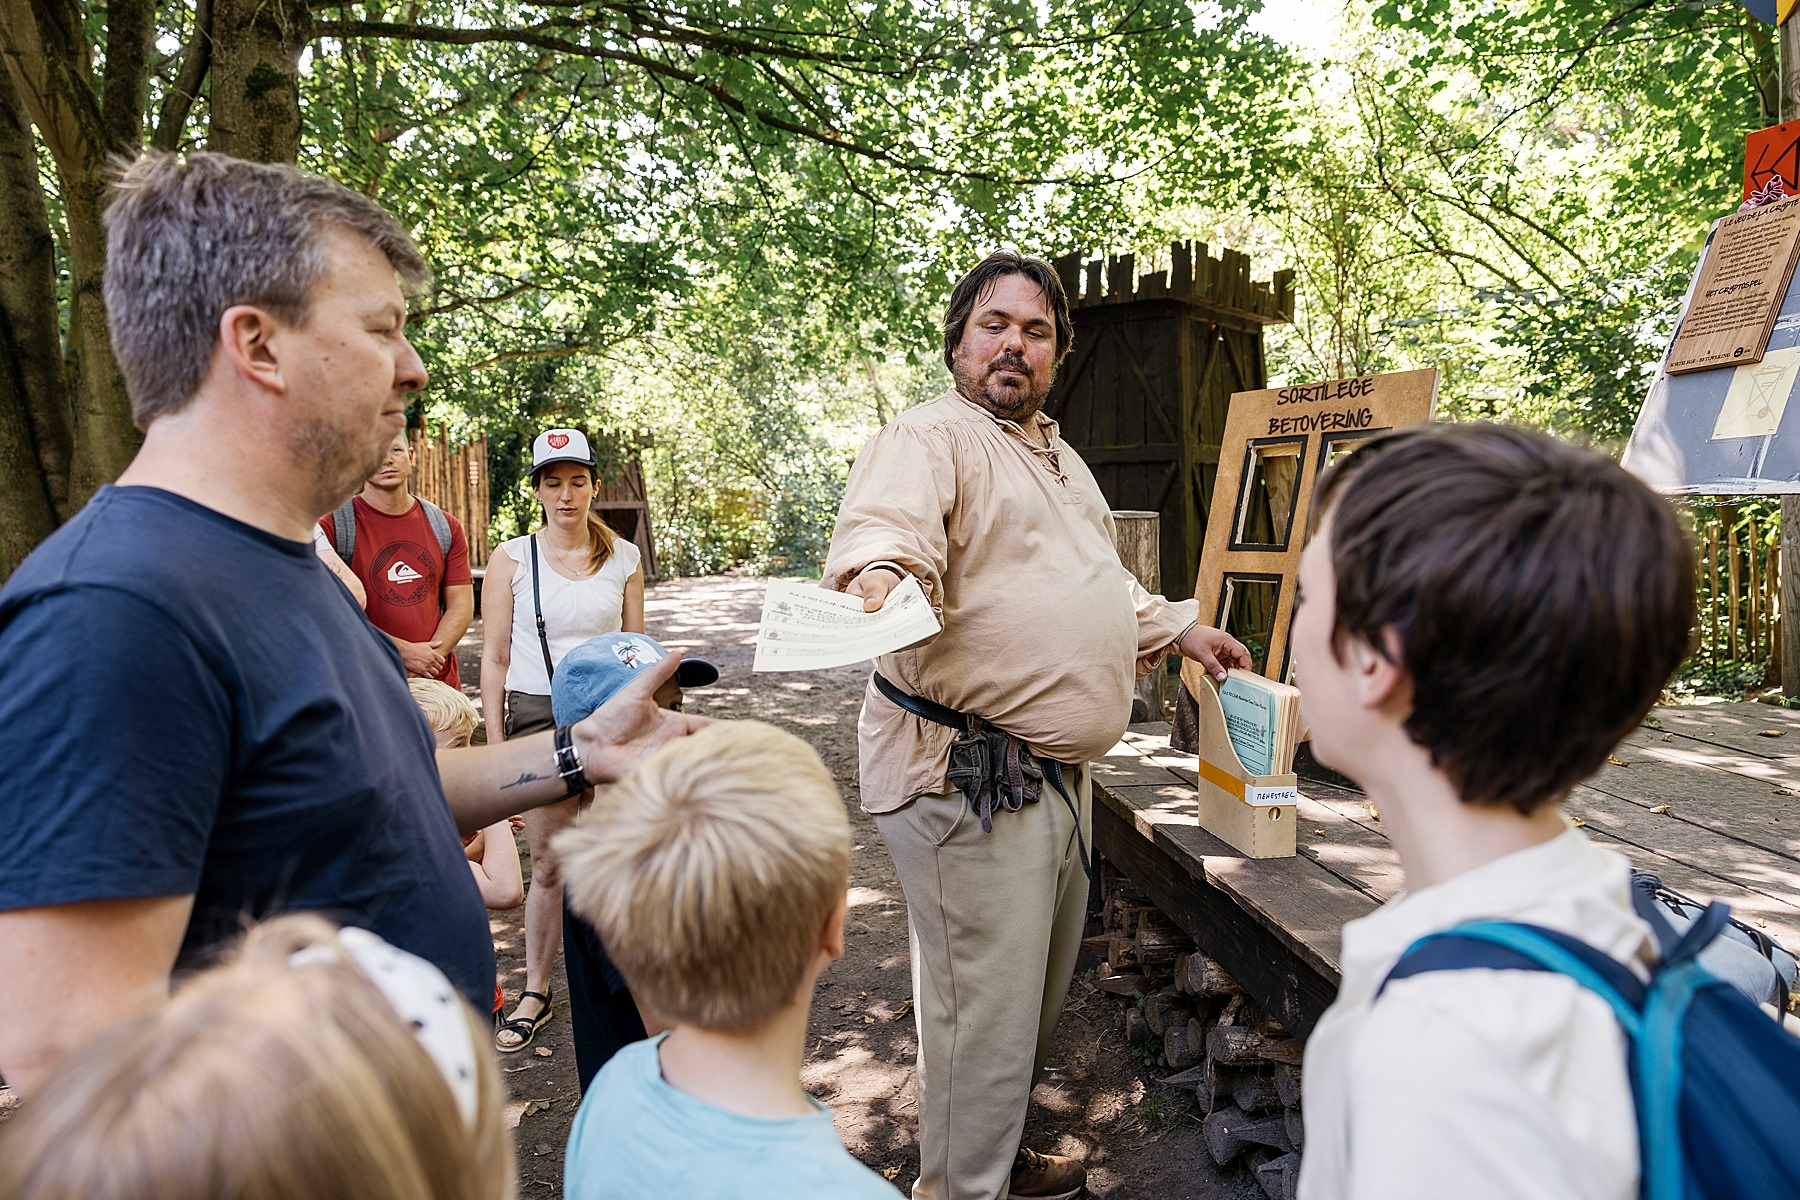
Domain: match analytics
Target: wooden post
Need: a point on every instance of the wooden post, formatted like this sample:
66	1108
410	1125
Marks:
1755	617
1732	580
1788	40
1712	608
1138	538
1789	651
1777	647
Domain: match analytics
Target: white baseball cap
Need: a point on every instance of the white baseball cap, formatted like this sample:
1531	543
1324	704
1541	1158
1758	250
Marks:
561	445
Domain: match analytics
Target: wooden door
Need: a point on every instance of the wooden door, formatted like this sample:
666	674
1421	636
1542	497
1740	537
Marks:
1118	399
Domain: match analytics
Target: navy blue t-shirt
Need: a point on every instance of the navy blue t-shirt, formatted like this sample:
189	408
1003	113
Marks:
189	705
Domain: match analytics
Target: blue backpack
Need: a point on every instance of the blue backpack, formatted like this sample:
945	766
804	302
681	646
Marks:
1717	1083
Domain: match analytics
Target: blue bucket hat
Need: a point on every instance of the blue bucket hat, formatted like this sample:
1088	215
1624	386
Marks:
589	674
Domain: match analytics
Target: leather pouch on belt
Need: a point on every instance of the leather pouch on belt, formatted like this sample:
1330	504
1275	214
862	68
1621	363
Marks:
991	768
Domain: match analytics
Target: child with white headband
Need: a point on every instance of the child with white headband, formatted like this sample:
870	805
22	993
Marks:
318	1063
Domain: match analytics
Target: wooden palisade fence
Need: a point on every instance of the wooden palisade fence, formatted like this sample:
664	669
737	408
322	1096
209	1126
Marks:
456	480
1738	553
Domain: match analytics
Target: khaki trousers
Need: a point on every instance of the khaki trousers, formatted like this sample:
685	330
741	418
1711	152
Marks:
995	922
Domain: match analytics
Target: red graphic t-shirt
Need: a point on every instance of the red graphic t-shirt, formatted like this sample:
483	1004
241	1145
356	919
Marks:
400	563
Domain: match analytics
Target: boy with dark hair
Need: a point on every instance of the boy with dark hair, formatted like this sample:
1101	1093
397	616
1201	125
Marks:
412	559
1485	613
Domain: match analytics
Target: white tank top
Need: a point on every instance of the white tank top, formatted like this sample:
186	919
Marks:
574	610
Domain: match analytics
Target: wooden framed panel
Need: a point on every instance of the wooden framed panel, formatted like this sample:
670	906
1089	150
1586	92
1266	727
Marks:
1248	602
1304	427
1264	519
1333	446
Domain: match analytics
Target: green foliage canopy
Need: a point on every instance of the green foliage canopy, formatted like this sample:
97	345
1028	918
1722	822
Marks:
1516	194
682	223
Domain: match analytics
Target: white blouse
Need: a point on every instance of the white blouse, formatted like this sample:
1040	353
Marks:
574	610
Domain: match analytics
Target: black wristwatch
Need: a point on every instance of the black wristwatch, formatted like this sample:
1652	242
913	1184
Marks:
568	760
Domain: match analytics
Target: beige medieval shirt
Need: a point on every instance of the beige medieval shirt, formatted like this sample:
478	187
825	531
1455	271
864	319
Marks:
1012	542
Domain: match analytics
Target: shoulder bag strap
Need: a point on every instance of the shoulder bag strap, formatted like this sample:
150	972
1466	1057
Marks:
537	603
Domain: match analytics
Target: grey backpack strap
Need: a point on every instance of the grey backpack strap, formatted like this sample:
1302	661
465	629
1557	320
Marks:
537	603
343	524
440	525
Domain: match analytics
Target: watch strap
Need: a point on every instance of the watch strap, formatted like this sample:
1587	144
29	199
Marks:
568	760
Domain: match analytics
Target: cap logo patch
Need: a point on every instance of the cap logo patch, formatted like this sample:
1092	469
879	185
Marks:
558	440
631	654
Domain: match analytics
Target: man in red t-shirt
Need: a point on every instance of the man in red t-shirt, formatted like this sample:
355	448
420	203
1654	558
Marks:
420	596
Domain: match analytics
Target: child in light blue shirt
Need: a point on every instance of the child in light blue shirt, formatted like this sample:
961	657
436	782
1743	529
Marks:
637	1135
716	876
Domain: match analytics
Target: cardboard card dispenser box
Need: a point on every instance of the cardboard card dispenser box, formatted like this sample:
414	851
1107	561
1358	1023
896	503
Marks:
1253	813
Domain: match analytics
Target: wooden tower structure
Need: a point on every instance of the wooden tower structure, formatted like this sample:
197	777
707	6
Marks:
1156	358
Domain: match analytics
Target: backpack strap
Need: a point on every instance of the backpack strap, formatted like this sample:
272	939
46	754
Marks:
1508	946
1669	900
343	525
537	604
1654	913
440	525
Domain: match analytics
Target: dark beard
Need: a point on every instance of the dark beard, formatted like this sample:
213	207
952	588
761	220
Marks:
1013	404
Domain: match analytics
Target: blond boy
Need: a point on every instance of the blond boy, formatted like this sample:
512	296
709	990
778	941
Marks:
716	876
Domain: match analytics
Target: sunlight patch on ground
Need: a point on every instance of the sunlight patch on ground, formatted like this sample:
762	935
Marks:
856	897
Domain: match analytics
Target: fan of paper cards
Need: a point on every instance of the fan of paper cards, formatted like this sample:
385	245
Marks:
1262	718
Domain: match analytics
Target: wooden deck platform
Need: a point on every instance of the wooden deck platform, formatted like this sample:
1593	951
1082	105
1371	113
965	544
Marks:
1704	797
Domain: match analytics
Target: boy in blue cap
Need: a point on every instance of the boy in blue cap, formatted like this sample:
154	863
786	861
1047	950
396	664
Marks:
603	1016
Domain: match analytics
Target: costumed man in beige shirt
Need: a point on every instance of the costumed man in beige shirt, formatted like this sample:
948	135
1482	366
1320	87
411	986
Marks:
974	744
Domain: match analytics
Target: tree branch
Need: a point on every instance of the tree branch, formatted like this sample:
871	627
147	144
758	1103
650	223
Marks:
438	310
195	62
49	71
542	352
130	37
721	95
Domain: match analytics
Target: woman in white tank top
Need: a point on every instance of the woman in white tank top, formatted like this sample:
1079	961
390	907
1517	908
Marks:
589	582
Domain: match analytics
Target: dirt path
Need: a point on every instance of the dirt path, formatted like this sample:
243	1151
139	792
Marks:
1098	1102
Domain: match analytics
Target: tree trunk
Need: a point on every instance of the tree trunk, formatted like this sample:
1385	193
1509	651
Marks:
130	40
256	47
34	411
105	438
1137	536
49	65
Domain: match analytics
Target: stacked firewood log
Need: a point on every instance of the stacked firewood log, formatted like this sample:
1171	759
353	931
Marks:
1213	1039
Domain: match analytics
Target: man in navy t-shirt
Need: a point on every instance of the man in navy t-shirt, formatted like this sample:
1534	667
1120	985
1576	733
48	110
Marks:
199	726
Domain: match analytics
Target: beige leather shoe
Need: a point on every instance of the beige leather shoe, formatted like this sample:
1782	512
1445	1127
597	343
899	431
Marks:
1045	1177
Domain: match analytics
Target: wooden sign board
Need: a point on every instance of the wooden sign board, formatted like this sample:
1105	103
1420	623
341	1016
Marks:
1744	274
1725	432
1277	442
